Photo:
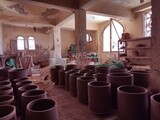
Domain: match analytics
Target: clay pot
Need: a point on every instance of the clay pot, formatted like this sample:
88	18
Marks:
4	79
73	83
61	75
89	73
99	97
6	91
101	69
116	80
117	70
6	99
89	67
31	95
54	73
101	76
8	112
5	84
42	109
141	78
67	74
70	66
17	73
82	88
155	107
83	71
132	103
4	72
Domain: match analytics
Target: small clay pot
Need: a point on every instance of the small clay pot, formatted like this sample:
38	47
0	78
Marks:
42	109
83	71
101	69
141	78
73	83
17	80
155	106
132	103
5	84
89	73
61	75
17	73
101	76
82	88
6	99
8	112
117	70
70	66
99	97
90	67
4	79
6	91
116	80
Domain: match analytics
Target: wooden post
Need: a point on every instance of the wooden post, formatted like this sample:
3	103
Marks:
80	36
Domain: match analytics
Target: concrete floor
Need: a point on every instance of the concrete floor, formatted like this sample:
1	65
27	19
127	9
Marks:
69	107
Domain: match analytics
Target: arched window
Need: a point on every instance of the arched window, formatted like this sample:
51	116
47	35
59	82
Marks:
111	34
31	43
20	43
88	38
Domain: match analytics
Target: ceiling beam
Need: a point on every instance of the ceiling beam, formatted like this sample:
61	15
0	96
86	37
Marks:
141	8
112	10
86	4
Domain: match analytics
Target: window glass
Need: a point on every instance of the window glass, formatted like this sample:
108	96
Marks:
88	37
20	43
147	23
31	43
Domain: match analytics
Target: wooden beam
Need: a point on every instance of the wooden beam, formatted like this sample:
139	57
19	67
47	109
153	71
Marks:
86	4
111	10
141	8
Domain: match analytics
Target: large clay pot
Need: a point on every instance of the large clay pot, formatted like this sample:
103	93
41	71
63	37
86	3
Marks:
6	91
6	99
99	97
117	70
82	88
70	66
73	83
141	78
67	74
101	76
4	72
17	73
89	67
31	95
5	84
116	80
132	103
8	112
155	107
89	73
61	75
101	69
42	109
54	73
83	71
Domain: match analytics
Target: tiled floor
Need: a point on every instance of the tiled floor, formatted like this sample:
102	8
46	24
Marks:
69	107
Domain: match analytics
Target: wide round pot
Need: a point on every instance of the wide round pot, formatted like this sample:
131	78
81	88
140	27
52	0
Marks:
89	67
67	74
82	88
8	112
70	66
31	95
99	97
17	73
132	103
42	109
155	107
101	69
61	75
73	83
5	84
6	99
141	78
117	70
6	91
101	76
116	80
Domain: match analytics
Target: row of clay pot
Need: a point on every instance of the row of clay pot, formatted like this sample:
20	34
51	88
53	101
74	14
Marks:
24	98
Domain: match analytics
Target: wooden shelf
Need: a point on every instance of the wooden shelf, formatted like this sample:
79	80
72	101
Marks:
136	48
137	39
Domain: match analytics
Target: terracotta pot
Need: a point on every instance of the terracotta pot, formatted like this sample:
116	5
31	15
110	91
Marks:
89	73
73	83
101	69
17	73
116	80
155	107
82	88
54	73
117	70
4	79
5	84
99	97
67	74
42	109
8	112
70	66
61	75
141	78
4	72
6	99
132	103
83	71
6	91
101	76
89	67
31	95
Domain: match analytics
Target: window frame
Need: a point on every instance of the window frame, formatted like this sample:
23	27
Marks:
28	45
23	42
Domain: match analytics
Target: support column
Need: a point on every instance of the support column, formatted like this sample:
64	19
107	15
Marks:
155	44
1	39
80	36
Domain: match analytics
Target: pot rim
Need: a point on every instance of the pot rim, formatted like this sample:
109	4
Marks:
103	86
91	78
28	85
12	112
32	96
153	98
119	75
10	98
